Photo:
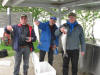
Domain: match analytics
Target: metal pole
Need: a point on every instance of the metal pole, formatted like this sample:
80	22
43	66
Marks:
9	15
59	17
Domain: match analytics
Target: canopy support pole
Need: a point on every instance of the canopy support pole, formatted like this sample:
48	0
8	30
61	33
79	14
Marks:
9	15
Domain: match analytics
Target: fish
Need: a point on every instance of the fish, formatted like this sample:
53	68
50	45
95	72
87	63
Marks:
37	33
63	43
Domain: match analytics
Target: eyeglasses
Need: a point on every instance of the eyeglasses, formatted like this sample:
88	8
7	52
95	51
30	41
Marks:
71	17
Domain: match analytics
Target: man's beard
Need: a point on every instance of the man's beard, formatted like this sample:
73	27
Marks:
51	24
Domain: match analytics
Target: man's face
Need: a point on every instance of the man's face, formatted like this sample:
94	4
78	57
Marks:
52	22
23	20
72	19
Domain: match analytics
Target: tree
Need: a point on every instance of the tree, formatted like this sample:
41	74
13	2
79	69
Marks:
87	19
3	9
36	12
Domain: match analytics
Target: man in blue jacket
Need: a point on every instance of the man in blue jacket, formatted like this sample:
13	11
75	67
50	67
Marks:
23	36
48	40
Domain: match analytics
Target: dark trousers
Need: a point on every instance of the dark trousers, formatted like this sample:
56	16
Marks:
50	56
73	55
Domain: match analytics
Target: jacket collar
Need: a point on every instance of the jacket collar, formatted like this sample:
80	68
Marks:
21	25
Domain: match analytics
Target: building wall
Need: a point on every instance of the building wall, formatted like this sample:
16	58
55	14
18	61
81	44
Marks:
15	17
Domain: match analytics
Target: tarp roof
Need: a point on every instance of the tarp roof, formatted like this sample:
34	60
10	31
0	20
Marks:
74	4
47	4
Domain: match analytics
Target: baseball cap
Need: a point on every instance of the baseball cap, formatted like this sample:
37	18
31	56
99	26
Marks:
24	15
54	18
72	14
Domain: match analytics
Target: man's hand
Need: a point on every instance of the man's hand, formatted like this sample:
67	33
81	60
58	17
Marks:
54	47
9	28
63	30
82	53
36	23
29	39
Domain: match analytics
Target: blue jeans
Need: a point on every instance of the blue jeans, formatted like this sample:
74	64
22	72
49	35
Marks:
25	52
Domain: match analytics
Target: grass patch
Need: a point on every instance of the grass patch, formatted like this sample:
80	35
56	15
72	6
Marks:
11	51
35	46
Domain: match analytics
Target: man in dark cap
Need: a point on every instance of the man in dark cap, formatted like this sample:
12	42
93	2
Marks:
75	39
48	40
23	36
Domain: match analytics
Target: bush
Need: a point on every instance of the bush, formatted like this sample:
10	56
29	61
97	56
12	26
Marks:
11	51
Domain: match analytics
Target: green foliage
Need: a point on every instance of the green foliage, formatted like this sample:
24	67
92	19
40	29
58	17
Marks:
9	49
87	19
3	9
35	46
35	11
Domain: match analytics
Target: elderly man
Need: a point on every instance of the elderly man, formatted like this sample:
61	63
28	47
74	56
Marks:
23	36
48	40
75	38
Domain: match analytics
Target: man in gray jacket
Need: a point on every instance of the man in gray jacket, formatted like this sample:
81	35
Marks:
75	38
